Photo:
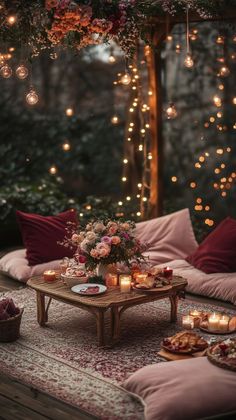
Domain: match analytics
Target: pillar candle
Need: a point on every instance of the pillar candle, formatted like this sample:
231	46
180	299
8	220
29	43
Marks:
125	283
49	276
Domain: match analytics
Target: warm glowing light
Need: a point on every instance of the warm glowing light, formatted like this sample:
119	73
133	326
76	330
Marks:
150	93
201	159
139	185
11	20
112	59
174	178
53	170
6	71
125	79
199	200
220	151
144	198
88	207
125	161
198	165
171	112
22	72
212	119
120	203
220	40
193	184
221	87
32	97
131	110
217	101
149	156
188	62
224	71
222	165
228	149
124	179
219	114
128	198
169	38
234	100
66	146
114	120
69	112
138	213
207	208
140	148
217	170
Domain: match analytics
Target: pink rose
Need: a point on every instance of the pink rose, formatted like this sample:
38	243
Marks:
75	237
115	240
106	239
94	253
125	226
103	249
112	230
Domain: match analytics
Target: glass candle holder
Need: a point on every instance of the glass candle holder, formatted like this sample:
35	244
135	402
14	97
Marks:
49	276
111	279
125	283
188	322
213	322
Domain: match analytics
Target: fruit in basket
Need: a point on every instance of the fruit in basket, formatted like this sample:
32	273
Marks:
8	309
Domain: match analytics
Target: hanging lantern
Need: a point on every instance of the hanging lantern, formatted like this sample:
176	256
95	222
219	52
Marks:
224	71
32	97
125	79
22	72
171	112
6	71
188	62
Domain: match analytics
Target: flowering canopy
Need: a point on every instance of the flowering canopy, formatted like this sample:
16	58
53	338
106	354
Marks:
78	23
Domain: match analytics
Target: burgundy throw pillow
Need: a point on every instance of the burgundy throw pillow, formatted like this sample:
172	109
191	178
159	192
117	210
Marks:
217	253
41	234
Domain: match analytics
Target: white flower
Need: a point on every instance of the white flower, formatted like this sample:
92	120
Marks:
84	245
99	227
91	236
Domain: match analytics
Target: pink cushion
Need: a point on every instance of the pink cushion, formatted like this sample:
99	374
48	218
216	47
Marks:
216	285
169	237
186	389
41	235
15	265
217	253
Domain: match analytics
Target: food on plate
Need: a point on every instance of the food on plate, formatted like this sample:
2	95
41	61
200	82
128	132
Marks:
224	353
185	342
152	281
74	272
90	290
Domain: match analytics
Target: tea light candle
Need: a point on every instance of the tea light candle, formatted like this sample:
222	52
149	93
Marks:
167	272
111	279
125	283
140	278
196	317
49	276
224	323
188	322
213	322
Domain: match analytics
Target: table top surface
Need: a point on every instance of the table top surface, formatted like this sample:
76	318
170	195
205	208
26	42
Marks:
112	297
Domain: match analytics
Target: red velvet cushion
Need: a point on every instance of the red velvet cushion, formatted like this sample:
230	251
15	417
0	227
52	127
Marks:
40	235
217	253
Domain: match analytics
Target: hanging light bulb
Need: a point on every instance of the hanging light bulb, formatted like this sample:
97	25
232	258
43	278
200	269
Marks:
69	112
6	71
224	71
188	62
22	72
11	20
32	97
112	59
220	39
66	146
114	119
217	101
125	79
53	170
171	112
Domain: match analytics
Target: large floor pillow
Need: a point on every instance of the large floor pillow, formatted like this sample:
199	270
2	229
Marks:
168	237
15	264
186	389
216	285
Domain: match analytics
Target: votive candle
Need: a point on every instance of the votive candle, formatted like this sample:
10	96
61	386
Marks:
213	322
111	279
196	317
167	273
224	323
49	276
125	283
188	322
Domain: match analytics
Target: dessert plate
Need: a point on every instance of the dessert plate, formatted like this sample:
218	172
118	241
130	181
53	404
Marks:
89	289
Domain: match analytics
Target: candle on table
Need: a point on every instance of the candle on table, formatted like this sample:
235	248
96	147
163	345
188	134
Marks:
141	277
49	275
167	273
213	322
224	323
196	317
64	264
125	283
111	279
188	322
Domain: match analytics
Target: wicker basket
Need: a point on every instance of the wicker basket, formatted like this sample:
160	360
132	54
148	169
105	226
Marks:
10	328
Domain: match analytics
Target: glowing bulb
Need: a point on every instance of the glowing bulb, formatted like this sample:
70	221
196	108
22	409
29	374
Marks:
188	62
224	71
114	120
217	101
174	178
234	100
193	185
112	59
120	203
220	40
139	185
125	161
22	72
53	170
144	198
169	38
6	71
66	146
32	97
124	179
125	79
69	112
138	213
11	20
128	198
171	112
149	156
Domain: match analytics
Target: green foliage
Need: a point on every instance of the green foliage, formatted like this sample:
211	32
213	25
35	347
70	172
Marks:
97	280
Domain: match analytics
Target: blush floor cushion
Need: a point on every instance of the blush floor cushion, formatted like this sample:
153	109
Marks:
188	389
216	285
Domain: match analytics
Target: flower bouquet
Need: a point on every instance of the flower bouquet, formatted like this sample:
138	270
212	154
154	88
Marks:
106	243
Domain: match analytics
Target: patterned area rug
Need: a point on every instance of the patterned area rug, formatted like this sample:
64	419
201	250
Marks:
64	361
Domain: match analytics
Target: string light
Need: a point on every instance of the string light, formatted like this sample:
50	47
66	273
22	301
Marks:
217	101
114	120
32	97
112	59
224	71
11	20
6	71
22	72
188	62
171	112
220	39
174	178
69	112
53	170
126	79
124	179
66	146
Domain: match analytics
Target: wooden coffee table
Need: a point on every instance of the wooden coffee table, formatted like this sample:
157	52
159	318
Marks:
112	300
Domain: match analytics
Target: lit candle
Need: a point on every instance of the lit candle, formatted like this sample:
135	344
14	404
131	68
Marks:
141	277
49	275
167	272
125	283
64	264
213	322
111	279
224	323
196	317
188	322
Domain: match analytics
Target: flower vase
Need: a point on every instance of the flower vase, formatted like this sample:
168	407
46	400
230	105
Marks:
103	269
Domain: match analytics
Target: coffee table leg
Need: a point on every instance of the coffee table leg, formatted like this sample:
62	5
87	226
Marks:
100	327
41	310
115	314
174	307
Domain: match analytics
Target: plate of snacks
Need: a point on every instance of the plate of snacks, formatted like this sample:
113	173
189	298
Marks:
153	284
74	276
185	342
223	354
89	289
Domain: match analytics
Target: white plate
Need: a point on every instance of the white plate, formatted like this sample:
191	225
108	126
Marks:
80	287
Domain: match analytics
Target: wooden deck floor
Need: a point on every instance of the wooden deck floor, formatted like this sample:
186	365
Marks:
21	402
